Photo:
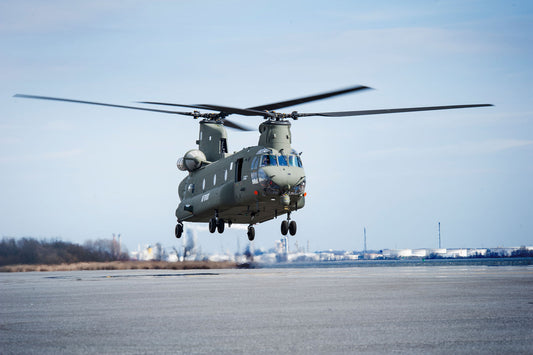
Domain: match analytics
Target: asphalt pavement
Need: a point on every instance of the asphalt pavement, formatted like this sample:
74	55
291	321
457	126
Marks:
448	309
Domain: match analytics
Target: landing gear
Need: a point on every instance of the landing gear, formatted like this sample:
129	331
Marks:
216	224
212	225
251	233
178	231
288	226
284	227
292	227
220	225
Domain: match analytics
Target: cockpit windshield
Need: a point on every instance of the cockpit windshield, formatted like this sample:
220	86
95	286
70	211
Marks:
281	160
268	160
295	160
292	160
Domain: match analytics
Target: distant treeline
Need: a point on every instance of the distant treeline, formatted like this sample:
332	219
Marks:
32	251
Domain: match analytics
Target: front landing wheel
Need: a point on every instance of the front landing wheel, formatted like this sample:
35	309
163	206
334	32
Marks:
284	227
178	231
292	227
251	233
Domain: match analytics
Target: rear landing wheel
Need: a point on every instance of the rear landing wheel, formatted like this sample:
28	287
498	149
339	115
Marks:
251	233
212	225
220	225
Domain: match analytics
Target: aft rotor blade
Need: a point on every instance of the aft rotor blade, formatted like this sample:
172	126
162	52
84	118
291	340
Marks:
288	103
101	104
225	109
392	110
232	124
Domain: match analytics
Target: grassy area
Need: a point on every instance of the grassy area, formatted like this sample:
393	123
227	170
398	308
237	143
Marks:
122	265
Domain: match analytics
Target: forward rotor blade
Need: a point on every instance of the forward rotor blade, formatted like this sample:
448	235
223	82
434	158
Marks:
225	109
101	104
393	110
288	103
239	111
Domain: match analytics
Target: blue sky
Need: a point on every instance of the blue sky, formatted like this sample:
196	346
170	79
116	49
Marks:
80	172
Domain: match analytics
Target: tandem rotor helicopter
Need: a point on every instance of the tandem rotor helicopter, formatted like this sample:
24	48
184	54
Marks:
256	184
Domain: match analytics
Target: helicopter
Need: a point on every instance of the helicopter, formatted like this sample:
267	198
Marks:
257	183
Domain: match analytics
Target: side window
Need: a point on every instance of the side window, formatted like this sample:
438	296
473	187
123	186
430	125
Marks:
223	145
238	170
214	179
262	176
203	185
255	162
226	175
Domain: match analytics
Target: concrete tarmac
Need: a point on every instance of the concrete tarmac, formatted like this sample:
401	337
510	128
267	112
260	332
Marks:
451	309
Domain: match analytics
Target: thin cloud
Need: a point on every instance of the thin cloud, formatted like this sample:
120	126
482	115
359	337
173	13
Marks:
39	16
68	154
465	148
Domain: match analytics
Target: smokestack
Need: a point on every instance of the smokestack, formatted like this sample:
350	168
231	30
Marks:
439	235
364	231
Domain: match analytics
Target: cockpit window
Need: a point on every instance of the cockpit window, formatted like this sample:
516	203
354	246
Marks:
281	160
295	160
267	160
292	160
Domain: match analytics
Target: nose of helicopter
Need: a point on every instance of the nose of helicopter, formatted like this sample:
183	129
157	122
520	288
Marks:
286	179
278	180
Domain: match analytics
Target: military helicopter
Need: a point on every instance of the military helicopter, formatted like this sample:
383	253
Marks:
256	184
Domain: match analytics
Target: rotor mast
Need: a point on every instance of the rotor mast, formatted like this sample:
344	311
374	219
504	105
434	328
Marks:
275	134
213	140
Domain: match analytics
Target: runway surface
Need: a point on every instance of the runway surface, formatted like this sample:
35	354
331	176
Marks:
452	309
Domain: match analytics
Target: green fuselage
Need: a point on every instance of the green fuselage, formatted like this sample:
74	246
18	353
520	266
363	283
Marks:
251	186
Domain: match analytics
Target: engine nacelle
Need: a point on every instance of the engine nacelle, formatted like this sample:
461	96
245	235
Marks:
192	160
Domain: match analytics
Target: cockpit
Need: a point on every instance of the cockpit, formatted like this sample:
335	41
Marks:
281	160
277	181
